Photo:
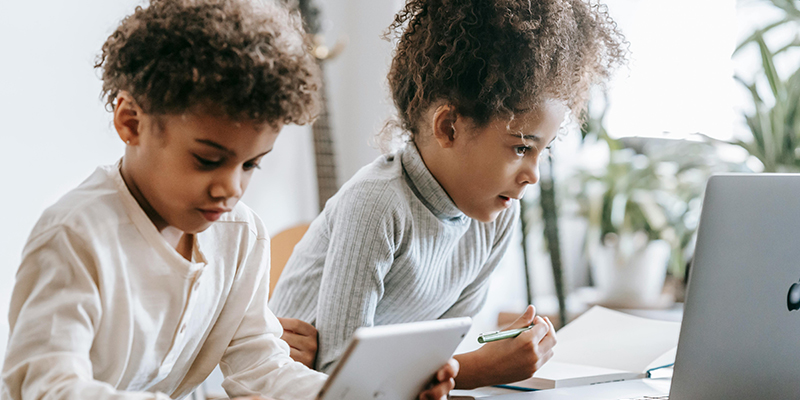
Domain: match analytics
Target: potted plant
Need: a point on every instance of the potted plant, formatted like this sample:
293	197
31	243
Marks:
642	210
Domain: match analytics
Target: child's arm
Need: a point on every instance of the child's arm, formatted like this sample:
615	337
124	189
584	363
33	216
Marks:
360	252
256	360
508	360
55	310
472	298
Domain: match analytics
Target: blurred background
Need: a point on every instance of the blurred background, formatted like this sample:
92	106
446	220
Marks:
712	86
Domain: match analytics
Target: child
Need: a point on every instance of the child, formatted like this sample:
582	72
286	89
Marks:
136	284
481	88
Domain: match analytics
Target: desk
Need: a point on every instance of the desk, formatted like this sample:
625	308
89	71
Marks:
603	391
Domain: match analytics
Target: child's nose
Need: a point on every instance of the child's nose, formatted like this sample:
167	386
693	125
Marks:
529	174
227	185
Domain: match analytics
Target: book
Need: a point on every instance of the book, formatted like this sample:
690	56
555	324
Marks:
603	345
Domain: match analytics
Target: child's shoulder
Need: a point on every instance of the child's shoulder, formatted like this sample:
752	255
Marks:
380	182
92	204
386	169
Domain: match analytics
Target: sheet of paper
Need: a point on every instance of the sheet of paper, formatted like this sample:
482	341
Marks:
556	374
611	339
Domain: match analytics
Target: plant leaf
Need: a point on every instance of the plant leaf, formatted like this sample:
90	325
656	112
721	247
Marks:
760	32
789	7
794	43
768	64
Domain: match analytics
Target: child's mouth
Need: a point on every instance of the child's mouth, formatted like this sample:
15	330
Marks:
212	214
505	200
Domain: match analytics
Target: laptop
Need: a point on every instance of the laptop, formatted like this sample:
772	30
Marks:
740	335
394	362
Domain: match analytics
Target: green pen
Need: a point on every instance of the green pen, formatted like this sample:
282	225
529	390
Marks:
491	337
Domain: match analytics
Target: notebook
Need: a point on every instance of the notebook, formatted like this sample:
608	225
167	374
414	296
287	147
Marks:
620	347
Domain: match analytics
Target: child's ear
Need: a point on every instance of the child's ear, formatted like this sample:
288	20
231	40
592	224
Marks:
444	120
127	116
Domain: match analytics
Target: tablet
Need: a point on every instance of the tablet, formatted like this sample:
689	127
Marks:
394	362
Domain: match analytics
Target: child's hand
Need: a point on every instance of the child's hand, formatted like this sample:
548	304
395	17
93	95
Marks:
518	358
443	382
302	339
510	360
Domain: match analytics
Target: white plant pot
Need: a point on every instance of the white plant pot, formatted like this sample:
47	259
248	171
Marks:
631	272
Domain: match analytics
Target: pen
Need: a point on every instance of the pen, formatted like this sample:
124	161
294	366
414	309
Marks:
491	337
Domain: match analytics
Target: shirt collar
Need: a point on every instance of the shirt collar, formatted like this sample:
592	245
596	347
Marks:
149	231
425	186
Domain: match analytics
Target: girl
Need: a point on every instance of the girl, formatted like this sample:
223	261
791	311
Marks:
481	88
136	284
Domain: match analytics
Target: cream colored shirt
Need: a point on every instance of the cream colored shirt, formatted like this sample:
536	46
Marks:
104	308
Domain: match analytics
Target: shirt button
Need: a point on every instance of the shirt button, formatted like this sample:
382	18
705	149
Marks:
183	328
196	285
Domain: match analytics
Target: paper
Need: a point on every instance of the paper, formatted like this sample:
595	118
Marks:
556	374
612	339
604	345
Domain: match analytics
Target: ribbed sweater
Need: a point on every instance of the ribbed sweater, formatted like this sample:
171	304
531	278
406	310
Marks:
390	247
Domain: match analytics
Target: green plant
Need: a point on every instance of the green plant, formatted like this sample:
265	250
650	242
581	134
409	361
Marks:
775	120
653	186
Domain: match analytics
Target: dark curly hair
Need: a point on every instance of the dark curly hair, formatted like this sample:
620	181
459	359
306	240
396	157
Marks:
498	58
230	57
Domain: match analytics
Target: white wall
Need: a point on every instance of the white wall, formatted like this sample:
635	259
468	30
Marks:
358	93
54	130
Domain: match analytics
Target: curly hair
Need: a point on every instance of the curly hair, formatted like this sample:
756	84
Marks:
493	58
230	57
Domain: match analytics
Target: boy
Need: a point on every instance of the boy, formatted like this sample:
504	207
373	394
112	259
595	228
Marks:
136	284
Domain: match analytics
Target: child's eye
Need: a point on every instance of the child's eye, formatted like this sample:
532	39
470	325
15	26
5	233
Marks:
522	150
248	166
206	163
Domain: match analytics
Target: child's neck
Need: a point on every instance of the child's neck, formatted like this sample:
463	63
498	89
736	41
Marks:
180	241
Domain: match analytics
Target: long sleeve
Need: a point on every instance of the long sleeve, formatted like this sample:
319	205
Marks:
473	297
360	253
55	310
257	361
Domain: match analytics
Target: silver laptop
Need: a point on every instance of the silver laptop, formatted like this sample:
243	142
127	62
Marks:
740	336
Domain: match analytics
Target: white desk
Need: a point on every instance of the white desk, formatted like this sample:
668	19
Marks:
604	391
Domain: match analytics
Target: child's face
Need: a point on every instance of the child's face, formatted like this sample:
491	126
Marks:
188	170
487	168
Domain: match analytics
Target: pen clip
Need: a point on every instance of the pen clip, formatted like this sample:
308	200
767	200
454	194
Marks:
489	333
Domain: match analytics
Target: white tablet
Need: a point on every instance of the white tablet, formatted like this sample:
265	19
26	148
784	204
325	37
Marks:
394	362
